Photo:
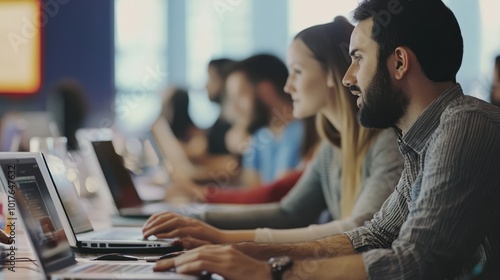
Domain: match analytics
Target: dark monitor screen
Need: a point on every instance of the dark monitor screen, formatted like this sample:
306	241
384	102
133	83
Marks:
117	177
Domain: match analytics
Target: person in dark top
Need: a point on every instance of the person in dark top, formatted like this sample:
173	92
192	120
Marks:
68	106
218	70
175	110
179	120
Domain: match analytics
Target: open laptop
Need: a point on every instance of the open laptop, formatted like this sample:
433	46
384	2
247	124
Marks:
87	239
76	224
124	193
23	176
148	191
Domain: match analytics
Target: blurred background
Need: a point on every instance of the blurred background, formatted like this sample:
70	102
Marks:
124	53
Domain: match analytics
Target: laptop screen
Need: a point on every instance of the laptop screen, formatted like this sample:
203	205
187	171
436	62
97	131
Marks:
38	212
119	180
67	192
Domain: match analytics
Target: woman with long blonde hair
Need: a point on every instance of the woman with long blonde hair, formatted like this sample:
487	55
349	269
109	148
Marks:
351	175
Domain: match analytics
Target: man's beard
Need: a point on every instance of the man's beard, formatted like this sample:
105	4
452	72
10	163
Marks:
383	104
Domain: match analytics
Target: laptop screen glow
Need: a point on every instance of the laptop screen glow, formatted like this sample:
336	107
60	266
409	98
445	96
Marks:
69	197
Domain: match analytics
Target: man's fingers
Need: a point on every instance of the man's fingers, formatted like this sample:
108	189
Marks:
164	265
164	225
223	260
197	267
168	226
190	256
206	253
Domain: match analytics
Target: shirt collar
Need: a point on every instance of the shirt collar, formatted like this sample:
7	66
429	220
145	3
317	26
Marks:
427	122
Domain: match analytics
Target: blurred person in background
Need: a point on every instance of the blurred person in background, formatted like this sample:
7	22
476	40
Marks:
11	130
218	70
352	174
188	190
272	192
68	105
175	110
263	111
274	144
205	148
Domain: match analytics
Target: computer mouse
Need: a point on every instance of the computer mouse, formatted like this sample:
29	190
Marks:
116	257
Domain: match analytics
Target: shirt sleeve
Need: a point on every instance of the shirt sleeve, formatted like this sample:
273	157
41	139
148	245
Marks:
299	208
449	215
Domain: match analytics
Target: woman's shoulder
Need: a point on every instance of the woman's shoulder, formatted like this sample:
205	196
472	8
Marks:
386	137
326	152
385	142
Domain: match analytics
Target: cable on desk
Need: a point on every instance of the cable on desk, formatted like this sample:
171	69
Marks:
4	257
19	267
25	259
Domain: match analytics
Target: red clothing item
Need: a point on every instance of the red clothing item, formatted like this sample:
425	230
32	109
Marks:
271	192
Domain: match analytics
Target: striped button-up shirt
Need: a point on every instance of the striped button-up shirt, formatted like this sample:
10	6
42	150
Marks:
443	219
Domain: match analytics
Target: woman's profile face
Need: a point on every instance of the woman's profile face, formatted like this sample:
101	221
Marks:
241	97
307	81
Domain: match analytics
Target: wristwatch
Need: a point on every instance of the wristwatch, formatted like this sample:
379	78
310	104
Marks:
279	265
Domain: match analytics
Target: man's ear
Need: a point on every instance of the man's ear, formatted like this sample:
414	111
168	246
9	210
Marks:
401	62
266	92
